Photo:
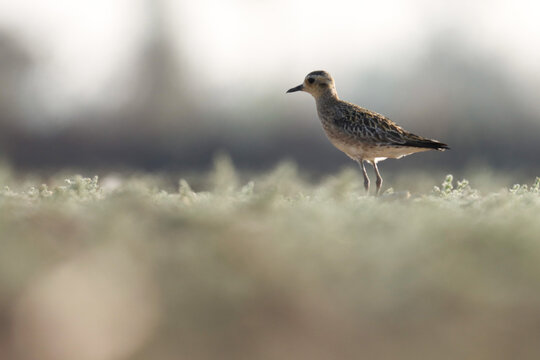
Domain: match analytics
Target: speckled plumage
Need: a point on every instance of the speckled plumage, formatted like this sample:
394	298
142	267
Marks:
362	134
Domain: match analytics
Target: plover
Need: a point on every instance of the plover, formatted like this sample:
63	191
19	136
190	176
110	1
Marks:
362	134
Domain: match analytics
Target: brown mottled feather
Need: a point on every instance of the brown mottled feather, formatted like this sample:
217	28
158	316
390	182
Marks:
370	127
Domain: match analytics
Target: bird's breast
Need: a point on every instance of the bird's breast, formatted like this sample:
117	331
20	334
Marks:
344	142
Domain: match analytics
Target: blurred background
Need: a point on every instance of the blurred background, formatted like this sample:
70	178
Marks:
162	85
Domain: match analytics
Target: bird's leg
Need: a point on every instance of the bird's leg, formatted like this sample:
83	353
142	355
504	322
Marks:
366	178
379	178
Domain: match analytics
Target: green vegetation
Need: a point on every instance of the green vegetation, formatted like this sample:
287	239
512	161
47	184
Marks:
272	268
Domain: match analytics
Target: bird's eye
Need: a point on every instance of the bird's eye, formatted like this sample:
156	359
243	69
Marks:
311	80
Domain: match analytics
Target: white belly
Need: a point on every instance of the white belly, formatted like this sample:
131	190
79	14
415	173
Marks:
375	153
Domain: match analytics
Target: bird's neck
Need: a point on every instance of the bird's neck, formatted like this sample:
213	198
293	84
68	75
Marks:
327	97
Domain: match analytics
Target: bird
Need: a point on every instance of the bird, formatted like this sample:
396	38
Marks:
362	134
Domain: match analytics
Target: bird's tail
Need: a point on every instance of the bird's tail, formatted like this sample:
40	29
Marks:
427	143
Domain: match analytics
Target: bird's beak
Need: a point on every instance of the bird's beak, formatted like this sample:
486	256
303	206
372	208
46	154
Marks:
298	88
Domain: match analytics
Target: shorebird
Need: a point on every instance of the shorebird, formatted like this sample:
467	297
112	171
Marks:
361	134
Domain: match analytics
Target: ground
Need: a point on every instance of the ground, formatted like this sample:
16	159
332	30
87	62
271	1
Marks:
275	267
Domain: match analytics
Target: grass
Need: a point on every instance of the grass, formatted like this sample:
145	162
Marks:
271	268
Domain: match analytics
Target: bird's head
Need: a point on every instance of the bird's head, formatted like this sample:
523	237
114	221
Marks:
317	83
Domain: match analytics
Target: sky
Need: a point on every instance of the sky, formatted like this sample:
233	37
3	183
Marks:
85	46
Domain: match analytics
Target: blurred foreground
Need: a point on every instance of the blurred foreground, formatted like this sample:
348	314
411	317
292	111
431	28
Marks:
276	268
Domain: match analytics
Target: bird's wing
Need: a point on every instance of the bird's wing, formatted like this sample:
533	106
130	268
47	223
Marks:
368	126
371	127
